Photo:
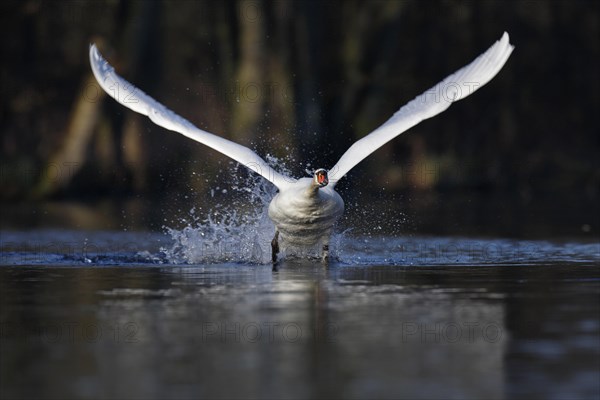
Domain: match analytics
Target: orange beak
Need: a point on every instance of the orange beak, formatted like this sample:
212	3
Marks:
322	179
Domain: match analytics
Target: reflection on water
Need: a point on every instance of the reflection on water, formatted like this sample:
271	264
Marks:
119	324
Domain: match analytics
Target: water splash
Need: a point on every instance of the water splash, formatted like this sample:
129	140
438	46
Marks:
240	231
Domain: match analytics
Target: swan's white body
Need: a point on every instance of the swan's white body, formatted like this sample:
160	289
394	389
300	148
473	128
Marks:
304	212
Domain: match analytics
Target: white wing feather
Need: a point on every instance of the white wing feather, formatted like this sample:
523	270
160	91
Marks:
138	101
455	87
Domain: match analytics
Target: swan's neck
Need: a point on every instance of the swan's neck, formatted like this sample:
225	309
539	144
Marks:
313	190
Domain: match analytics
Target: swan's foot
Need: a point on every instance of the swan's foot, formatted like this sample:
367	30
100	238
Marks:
275	247
325	256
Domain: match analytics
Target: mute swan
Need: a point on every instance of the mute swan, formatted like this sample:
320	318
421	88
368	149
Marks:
305	210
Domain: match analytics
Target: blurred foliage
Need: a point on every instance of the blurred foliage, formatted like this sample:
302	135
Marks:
300	80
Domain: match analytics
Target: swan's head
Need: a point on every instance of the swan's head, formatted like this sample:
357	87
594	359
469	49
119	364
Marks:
321	178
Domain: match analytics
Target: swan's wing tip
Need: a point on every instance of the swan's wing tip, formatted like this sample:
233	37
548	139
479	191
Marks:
507	48
94	53
99	64
505	40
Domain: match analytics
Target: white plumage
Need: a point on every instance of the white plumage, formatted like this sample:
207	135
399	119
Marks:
305	210
432	102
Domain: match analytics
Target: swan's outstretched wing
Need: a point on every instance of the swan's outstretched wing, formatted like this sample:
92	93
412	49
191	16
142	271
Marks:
138	101
437	99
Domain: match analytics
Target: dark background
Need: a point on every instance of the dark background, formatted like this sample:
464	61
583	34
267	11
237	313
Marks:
302	81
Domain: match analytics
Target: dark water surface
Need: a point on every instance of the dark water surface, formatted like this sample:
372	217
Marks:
106	315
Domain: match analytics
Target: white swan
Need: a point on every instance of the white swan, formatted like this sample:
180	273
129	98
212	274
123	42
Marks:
305	210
